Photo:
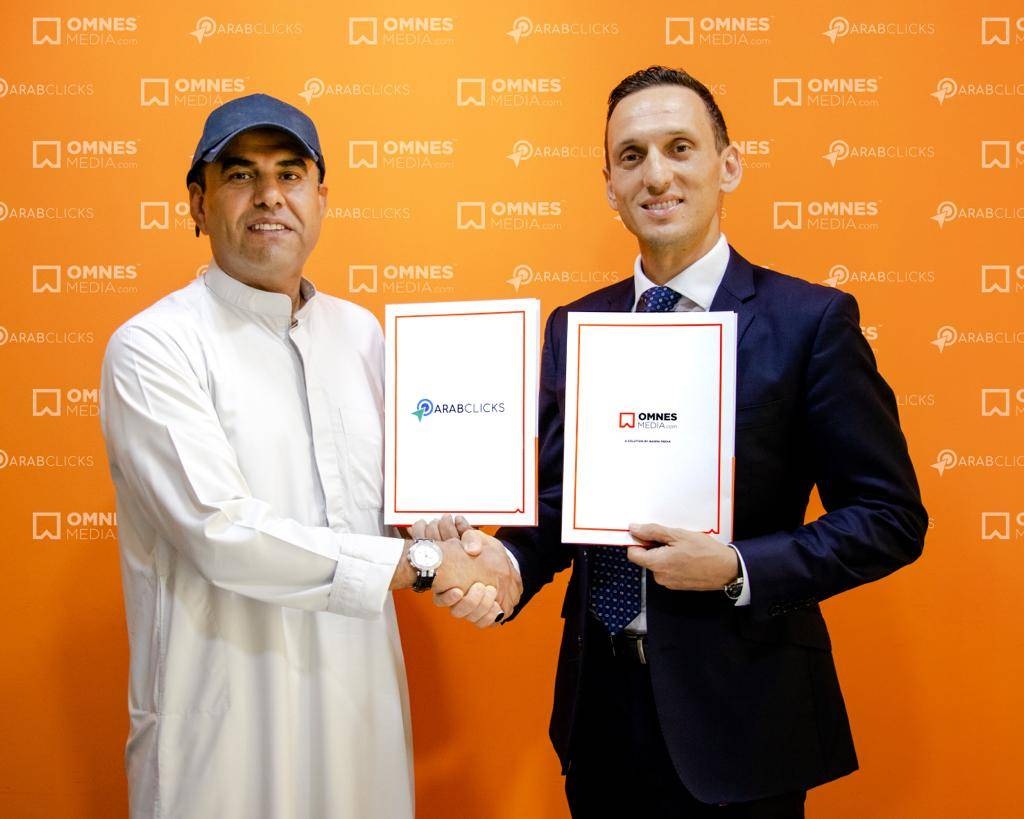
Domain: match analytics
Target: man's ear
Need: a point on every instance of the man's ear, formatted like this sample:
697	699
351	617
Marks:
197	206
732	169
613	202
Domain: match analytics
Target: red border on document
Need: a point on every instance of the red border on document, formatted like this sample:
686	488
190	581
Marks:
575	485
522	464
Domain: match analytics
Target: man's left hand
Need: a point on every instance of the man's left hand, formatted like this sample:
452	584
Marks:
683	560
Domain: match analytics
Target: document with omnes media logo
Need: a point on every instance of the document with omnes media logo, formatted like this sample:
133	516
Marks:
650	417
460	411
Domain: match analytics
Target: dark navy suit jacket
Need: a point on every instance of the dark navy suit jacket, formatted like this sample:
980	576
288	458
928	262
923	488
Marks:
747	697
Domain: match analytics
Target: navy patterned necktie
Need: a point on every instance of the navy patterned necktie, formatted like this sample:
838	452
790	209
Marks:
614	581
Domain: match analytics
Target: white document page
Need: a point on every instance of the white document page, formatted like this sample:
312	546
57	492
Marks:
650	422
461	411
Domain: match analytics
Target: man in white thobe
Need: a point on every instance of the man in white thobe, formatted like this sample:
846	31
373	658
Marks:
243	420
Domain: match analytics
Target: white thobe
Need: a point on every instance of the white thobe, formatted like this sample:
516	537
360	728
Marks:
266	672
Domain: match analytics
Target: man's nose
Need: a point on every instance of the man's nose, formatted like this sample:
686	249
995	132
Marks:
268	192
657	173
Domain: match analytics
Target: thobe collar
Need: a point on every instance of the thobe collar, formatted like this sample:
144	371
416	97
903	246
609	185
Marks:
262	302
698	282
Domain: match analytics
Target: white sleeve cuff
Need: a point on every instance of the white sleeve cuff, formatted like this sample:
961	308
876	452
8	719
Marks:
366	567
513	561
744	598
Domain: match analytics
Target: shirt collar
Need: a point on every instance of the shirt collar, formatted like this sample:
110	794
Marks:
699	282
249	298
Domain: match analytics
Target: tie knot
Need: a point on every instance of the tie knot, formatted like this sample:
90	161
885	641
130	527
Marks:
658	300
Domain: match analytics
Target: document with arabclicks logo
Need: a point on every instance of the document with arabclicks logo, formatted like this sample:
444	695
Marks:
650	417
460	411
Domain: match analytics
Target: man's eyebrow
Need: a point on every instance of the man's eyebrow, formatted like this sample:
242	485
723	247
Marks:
233	161
237	161
635	139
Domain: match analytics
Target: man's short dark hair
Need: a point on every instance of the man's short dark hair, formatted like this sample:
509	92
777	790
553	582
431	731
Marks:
656	75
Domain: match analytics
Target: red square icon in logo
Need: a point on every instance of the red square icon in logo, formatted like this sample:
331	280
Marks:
627	420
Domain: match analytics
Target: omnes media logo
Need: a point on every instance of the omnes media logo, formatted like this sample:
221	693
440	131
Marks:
86	279
1002	153
948	459
85	31
74	526
523	150
164	215
401	154
45	338
648	419
524	27
39	460
74	402
839	275
1002	402
207	27
315	88
45	213
502	215
401	31
509	92
949	211
20	88
840	27
1002	31
718	31
524	275
826	216
948	88
425	408
840	150
1002	278
826	92
1002	525
402	278
948	336
754	153
189	92
85	154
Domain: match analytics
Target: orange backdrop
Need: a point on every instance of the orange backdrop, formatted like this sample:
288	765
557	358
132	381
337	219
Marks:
884	153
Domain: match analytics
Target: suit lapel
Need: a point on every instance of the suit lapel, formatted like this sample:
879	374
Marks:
736	293
621	297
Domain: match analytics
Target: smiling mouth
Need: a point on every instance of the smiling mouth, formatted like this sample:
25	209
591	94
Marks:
264	227
660	207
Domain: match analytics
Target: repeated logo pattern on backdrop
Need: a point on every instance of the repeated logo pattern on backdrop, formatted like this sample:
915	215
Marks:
883	153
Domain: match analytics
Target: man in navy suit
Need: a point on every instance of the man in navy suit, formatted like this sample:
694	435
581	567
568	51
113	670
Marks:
697	679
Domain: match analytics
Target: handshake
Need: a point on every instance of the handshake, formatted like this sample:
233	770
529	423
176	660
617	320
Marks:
476	580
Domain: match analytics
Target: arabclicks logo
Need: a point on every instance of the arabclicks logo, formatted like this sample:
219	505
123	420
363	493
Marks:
424	407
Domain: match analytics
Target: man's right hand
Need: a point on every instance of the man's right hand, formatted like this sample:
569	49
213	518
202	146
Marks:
493	586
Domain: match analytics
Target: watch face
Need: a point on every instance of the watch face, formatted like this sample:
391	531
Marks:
425	555
735	589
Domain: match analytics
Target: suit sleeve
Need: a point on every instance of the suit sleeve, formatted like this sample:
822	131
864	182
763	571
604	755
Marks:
874	521
539	549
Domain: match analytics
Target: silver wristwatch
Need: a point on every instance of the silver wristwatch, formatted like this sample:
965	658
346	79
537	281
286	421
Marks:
425	557
734	588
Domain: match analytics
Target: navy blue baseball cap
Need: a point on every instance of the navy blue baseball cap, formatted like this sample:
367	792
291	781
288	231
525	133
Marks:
254	111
